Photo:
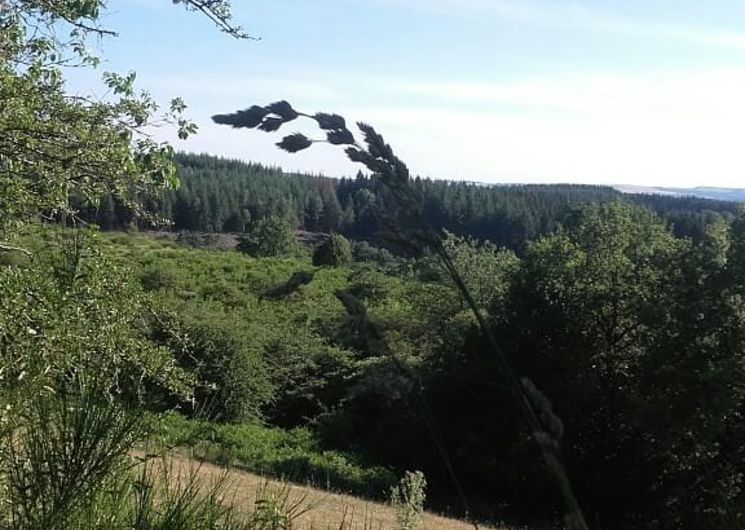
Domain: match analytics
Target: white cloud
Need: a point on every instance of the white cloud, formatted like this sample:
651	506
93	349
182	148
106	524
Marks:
685	128
675	129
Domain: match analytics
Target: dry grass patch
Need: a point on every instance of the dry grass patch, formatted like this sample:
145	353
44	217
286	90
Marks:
316	509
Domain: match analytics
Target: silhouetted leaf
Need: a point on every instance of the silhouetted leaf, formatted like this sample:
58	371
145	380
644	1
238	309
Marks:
330	122
271	124
363	157
283	109
294	143
248	118
340	137
375	143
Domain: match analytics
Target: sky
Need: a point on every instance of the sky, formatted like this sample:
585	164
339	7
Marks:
638	92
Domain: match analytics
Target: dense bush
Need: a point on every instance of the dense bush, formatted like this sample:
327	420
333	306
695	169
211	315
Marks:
608	317
365	252
263	355
268	237
77	366
75	310
336	251
232	383
294	454
486	270
407	498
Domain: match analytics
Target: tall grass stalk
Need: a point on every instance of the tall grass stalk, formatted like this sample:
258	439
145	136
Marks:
408	225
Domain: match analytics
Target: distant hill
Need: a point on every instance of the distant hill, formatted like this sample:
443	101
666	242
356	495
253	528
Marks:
704	192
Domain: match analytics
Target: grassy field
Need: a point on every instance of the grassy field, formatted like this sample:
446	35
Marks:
325	510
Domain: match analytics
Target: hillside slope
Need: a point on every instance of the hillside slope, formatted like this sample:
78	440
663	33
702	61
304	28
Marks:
328	510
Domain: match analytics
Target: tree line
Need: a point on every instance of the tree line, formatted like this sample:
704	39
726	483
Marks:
222	195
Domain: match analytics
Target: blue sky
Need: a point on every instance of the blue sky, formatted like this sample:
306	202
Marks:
634	92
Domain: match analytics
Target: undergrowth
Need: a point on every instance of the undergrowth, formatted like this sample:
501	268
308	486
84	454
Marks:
294	455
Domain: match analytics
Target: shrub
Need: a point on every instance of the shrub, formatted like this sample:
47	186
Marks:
294	454
336	251
485	269
268	237
64	464
232	380
76	311
365	252
59	451
407	498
